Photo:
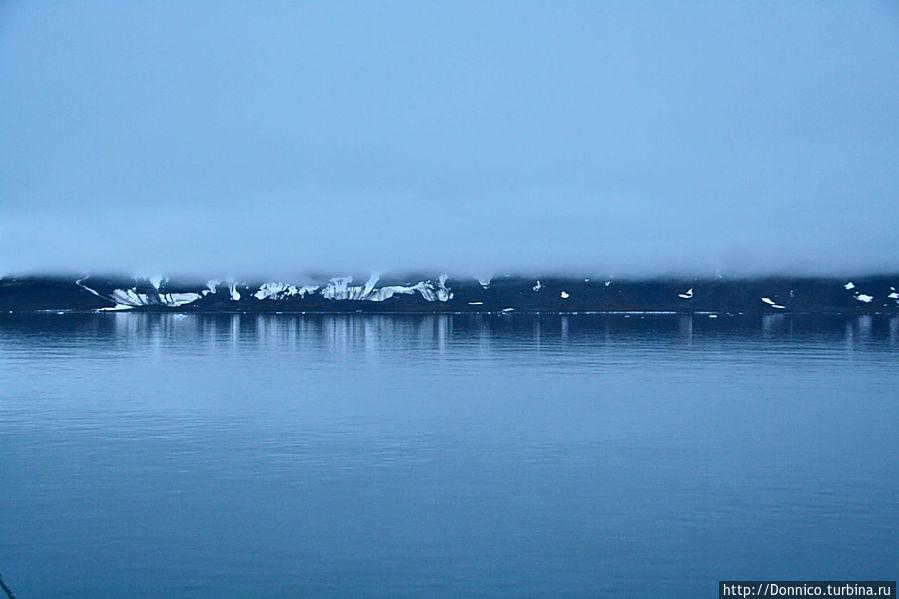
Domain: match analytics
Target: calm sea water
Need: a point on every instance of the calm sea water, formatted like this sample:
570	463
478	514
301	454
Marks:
444	456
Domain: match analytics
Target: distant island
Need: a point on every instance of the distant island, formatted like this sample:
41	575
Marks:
507	293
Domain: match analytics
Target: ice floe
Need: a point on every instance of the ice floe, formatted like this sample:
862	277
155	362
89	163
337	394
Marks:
772	303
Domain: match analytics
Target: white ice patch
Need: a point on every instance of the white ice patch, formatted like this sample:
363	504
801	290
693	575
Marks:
280	291
772	303
864	298
538	286
565	295
179	299
131	298
340	289
607	283
475	303
484	281
849	285
894	296
508	309
373	279
686	294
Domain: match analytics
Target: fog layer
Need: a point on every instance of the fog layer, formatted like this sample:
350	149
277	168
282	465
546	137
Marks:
229	139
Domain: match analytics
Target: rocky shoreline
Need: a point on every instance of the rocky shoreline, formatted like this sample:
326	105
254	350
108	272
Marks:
864	294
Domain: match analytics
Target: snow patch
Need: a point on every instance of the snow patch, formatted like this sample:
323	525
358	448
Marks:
686	294
179	299
340	289
849	285
565	295
130	298
538	286
862	297
280	291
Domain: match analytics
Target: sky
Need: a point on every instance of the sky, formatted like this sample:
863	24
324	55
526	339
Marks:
622	138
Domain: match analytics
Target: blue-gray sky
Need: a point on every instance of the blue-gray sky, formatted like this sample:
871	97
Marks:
615	137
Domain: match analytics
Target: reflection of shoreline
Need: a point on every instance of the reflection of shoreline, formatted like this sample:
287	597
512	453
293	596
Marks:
435	332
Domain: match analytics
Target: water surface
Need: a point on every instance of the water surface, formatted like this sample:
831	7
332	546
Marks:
157	455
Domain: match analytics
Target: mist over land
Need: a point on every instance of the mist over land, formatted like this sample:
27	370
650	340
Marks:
278	141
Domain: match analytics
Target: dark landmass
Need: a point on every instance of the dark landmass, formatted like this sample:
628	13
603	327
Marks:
867	294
